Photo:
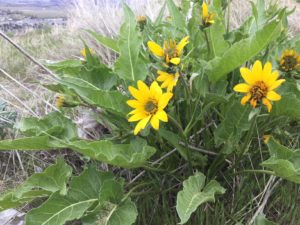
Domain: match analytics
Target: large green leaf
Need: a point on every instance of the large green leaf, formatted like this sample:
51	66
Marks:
130	65
130	155
288	106
29	143
243	51
53	179
123	155
194	194
70	66
178	19
110	43
111	100
83	193
284	162
54	124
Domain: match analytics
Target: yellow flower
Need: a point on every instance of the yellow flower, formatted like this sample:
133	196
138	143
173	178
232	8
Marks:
60	101
83	52
289	60
168	80
149	104
171	52
207	17
260	85
141	19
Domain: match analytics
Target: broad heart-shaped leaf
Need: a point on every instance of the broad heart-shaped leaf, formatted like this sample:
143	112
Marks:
130	155
243	51
130	65
284	162
124	213
194	194
110	43
111	100
82	194
288	106
124	155
261	220
178	19
53	179
54	124
234	123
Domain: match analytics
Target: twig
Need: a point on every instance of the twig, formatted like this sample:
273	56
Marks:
26	88
267	195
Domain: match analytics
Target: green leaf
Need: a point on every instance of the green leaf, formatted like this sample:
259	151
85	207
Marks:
54	124
216	39
194	194
111	100
160	16
70	66
243	51
130	65
178	19
52	179
28	143
123	214
110	43
288	106
123	155
83	193
234	123
284	162
261	220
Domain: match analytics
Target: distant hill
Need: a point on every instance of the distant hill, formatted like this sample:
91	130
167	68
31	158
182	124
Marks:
42	3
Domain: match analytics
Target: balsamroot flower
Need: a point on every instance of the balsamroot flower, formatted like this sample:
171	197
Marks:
289	60
207	17
171	52
168	80
260	85
149	104
60	101
84	53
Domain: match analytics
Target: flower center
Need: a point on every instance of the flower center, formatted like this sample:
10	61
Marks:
290	62
151	107
259	90
170	49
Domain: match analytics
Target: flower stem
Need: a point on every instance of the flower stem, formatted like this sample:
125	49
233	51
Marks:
207	42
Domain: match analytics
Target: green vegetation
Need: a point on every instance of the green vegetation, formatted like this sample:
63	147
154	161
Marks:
200	124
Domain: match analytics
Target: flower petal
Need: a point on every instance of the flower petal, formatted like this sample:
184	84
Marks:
141	125
164	100
245	99
137	117
155	49
154	122
247	75
267	70
257	70
181	44
273	96
136	93
155	90
204	10
243	88
276	84
134	104
143	88
162	115
175	61
267	103
272	78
